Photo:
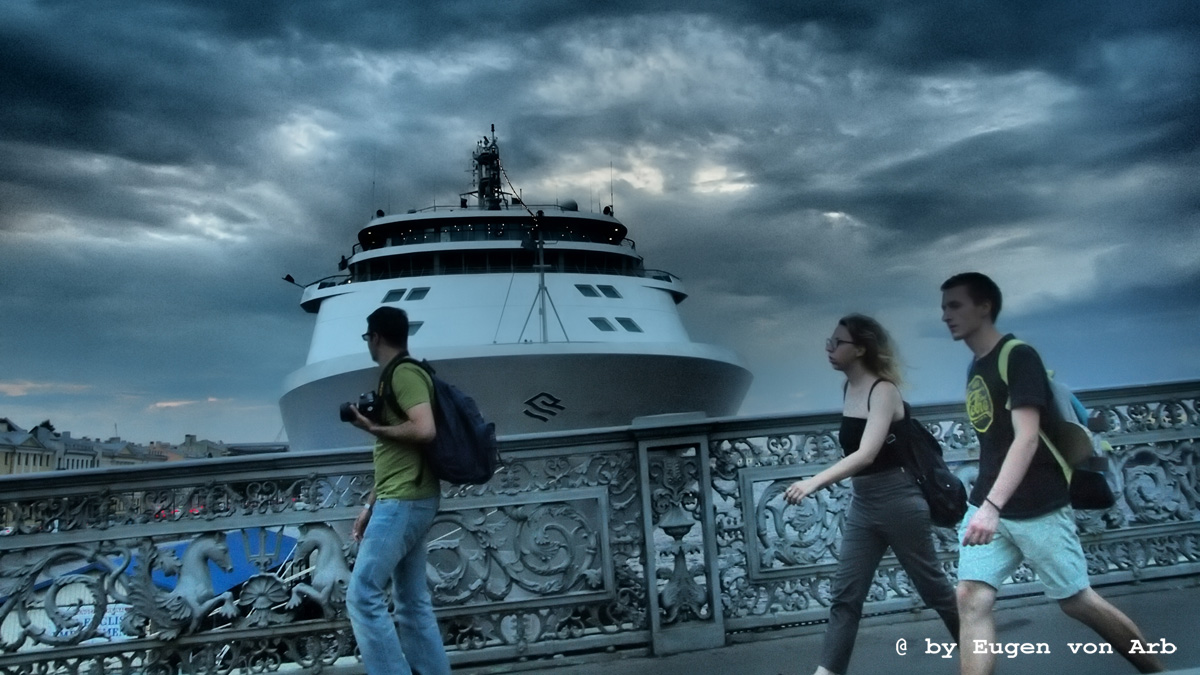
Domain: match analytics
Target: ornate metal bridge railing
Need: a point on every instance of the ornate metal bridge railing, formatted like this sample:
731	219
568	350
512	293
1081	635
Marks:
666	535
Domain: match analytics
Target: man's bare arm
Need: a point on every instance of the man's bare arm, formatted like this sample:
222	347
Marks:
983	524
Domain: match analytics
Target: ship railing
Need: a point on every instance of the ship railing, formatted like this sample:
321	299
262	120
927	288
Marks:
513	205
468	233
331	280
478	269
668	535
659	275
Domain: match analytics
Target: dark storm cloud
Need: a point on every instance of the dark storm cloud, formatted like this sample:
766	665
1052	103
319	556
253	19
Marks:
102	82
1058	37
162	164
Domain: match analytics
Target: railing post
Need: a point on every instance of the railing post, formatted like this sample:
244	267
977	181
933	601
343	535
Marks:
682	574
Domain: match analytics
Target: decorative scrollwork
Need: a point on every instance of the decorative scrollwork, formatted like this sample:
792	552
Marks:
479	556
959	435
22	574
1161	483
801	534
729	456
548	557
674	503
1140	417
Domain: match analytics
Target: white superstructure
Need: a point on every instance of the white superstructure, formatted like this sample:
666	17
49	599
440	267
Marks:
545	315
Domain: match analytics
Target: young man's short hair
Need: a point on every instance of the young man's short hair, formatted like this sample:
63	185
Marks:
980	287
391	324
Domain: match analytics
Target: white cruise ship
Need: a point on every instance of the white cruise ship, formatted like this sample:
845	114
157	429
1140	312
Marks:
545	315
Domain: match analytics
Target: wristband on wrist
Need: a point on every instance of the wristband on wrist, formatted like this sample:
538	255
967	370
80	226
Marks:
992	503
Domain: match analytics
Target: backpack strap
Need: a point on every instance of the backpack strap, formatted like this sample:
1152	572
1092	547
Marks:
389	392
846	386
386	390
1005	351
872	391
385	380
1003	365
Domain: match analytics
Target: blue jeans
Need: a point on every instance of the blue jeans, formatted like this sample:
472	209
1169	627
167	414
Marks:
393	547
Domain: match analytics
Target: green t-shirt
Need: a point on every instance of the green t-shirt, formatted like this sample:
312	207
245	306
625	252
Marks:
398	466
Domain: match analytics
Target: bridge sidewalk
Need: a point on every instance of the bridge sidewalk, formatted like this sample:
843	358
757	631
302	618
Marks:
1167	610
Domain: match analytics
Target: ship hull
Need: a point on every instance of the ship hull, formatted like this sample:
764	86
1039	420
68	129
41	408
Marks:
531	388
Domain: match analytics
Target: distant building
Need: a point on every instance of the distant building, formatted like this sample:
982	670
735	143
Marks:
171	452
22	451
74	454
44	449
118	452
191	448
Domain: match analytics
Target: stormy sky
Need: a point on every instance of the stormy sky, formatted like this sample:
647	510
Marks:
164	163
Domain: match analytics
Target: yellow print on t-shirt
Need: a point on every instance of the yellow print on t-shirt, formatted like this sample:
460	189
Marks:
979	404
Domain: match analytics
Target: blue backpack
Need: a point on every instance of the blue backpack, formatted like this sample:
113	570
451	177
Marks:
464	451
1082	457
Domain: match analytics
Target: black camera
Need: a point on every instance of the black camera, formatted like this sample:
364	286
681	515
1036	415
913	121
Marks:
367	405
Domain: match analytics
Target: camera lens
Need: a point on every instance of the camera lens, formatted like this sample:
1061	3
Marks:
346	413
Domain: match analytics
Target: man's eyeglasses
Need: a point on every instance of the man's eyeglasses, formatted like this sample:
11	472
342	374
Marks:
832	344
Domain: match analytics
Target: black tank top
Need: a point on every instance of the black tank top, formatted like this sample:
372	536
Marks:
850	436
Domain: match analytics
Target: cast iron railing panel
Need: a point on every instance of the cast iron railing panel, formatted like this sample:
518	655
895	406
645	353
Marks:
664	536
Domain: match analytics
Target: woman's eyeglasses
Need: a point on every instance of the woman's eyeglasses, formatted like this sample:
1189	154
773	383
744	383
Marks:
832	344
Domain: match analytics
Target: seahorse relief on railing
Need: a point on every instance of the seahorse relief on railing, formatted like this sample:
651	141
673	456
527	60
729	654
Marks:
321	549
182	610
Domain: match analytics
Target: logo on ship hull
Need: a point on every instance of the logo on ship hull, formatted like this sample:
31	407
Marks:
543	406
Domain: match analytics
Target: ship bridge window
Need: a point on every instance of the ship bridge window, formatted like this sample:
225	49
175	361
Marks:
499	261
418	293
603	324
609	291
629	324
395	295
414	326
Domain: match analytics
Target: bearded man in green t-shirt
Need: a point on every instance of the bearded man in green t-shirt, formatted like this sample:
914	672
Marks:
399	512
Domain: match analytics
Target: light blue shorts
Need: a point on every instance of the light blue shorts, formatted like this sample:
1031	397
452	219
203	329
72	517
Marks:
1049	543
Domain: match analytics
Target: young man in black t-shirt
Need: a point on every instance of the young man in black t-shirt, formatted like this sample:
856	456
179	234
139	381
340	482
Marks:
1019	508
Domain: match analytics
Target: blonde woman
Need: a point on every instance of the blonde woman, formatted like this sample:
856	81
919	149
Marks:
887	507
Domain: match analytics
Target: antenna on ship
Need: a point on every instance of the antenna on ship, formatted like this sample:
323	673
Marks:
611	201
374	172
537	239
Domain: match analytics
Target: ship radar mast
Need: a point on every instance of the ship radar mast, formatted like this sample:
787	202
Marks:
489	190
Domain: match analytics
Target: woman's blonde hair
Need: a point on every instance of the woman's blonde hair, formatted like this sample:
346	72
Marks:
881	357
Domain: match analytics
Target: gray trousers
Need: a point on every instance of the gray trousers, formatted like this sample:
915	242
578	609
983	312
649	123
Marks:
887	509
